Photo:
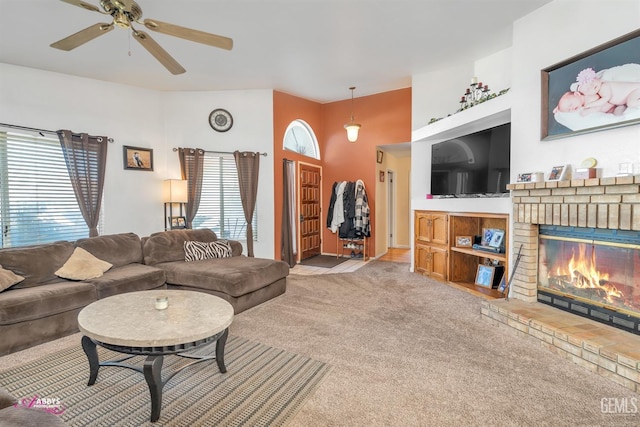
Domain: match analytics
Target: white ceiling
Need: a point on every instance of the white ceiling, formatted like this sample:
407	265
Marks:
314	49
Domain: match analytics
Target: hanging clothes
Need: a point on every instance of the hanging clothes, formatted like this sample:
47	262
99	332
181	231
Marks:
338	216
349	212
361	218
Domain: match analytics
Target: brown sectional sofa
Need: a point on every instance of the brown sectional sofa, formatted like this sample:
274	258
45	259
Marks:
44	306
242	281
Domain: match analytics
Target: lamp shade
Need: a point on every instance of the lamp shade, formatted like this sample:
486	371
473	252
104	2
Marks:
352	131
175	191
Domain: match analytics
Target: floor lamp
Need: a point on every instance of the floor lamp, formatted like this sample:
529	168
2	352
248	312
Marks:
174	193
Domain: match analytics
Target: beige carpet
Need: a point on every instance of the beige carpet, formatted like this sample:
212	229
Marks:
409	351
263	386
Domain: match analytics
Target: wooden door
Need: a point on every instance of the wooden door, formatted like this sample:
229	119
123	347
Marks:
309	211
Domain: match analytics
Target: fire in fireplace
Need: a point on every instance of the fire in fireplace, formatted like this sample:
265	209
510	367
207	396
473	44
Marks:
591	272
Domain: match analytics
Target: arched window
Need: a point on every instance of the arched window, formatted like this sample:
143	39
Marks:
300	138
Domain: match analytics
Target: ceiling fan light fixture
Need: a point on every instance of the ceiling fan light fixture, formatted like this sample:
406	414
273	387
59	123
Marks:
121	19
352	127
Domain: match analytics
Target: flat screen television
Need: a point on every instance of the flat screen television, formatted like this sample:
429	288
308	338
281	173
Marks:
472	165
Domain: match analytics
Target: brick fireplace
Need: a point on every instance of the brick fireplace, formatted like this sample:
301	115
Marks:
602	204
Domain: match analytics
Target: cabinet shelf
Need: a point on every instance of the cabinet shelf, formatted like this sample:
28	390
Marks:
476	290
481	254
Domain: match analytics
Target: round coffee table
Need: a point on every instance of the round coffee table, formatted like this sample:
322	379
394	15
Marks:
130	323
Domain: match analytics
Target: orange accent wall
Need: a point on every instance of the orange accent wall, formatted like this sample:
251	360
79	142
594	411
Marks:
385	119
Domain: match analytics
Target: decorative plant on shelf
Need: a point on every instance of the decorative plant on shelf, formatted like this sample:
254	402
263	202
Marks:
475	94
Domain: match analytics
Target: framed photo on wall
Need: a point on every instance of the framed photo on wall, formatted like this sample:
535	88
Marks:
137	158
592	91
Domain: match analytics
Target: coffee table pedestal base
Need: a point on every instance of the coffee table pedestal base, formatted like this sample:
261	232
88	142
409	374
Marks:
152	367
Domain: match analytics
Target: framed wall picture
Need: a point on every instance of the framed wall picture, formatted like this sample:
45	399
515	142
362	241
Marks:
464	241
137	158
379	156
484	275
592	91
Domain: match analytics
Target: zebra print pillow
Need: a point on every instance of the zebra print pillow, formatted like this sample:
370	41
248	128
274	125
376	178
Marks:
194	251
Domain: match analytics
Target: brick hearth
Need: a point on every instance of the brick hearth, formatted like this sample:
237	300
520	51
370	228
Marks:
609	203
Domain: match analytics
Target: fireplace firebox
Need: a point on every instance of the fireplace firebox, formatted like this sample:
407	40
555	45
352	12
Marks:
593	273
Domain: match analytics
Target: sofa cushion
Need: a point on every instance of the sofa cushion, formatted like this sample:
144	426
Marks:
37	264
235	276
6	399
128	278
26	304
21	416
8	278
116	249
168	246
82	266
194	251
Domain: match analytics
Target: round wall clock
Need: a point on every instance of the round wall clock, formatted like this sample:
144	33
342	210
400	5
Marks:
220	120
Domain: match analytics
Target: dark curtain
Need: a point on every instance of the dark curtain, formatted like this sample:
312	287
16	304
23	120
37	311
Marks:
288	250
191	164
248	166
86	159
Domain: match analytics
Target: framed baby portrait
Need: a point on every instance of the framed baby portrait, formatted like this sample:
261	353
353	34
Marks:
596	90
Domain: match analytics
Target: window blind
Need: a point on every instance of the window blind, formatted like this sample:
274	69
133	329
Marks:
220	203
37	202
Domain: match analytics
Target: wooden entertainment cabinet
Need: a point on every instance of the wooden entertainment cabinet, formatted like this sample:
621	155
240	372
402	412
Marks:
436	253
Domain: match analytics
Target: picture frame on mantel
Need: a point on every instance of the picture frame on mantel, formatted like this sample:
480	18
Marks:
575	91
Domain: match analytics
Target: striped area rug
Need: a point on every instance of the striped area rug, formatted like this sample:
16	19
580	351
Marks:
263	386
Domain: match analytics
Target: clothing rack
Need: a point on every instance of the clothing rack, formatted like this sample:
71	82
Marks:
217	152
41	132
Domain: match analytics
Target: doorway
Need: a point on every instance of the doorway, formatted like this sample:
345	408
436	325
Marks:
309	208
391	209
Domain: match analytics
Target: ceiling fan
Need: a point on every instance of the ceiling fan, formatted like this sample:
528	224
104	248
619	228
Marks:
124	14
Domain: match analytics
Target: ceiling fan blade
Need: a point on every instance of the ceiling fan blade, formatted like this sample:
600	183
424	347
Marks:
83	36
83	5
189	34
158	52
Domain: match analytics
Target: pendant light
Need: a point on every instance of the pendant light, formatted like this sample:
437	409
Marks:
352	127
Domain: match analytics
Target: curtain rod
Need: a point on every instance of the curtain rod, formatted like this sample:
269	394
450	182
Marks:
40	131
219	152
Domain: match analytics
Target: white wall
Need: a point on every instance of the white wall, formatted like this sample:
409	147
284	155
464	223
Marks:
186	125
143	118
545	37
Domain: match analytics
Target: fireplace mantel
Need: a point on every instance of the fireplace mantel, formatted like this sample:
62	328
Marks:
609	203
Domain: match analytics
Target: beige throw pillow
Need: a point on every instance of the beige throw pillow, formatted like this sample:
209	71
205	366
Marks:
8	278
81	265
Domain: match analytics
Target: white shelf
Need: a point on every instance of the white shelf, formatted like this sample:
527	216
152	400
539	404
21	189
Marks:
494	112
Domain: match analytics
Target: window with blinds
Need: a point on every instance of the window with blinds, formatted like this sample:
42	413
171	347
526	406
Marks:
37	202
220	203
